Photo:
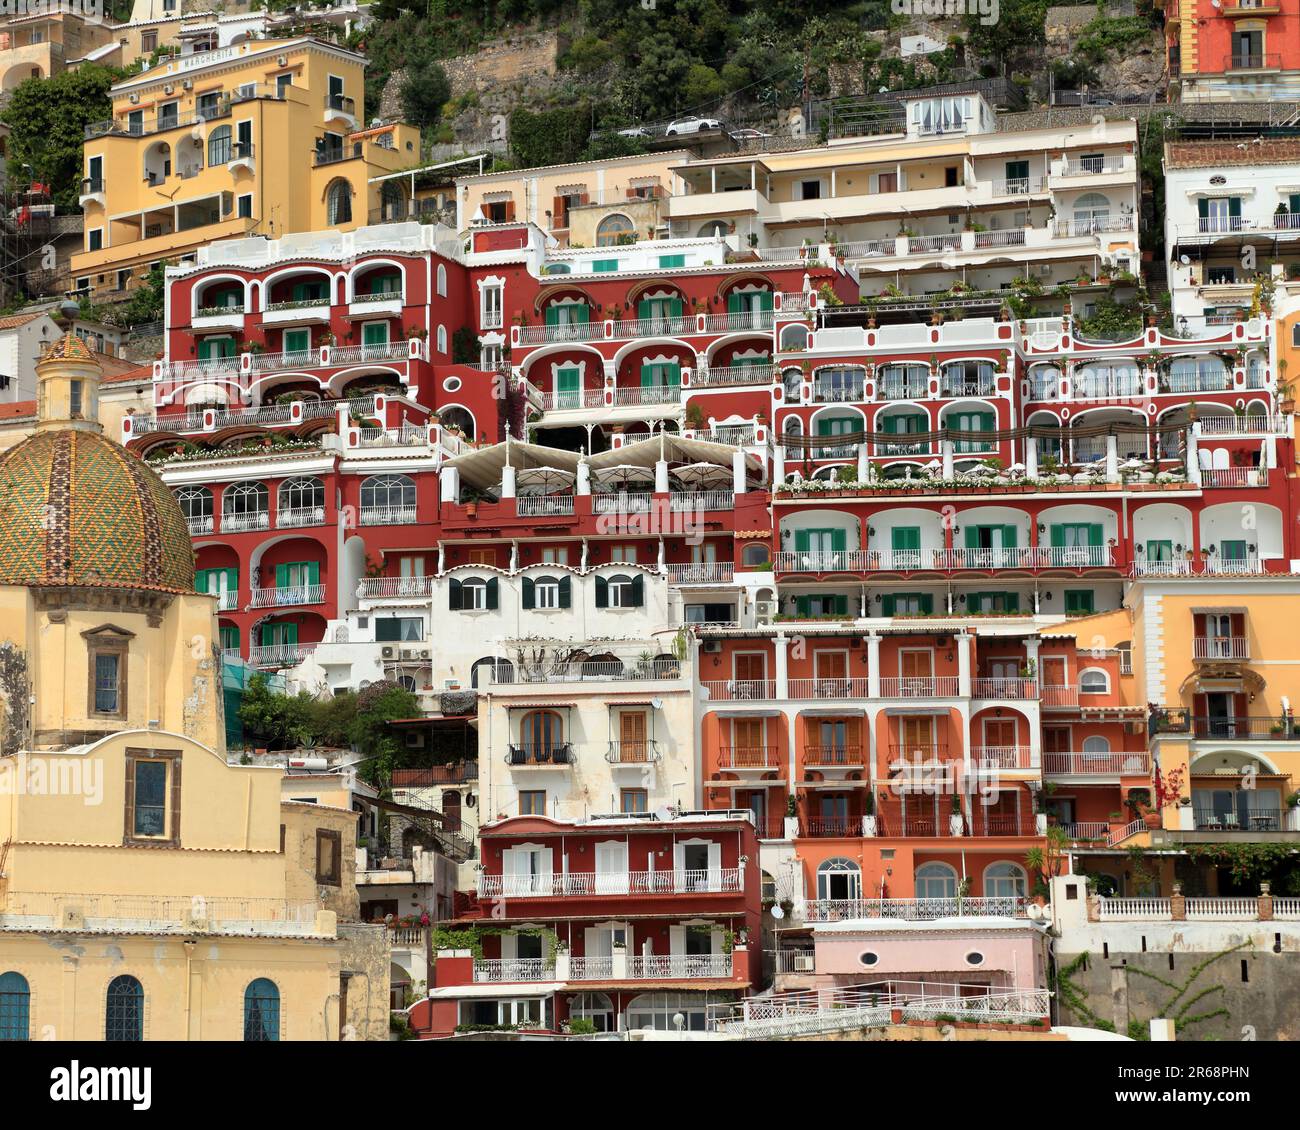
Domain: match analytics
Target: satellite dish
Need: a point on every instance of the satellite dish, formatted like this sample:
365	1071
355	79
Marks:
656	704
663	814
1035	912
1185	260
777	912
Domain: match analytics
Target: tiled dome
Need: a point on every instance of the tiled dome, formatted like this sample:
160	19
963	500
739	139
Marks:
77	509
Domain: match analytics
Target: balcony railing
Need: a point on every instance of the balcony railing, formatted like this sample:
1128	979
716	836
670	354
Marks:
818	756
701	572
589	671
543	505
1262	61
279	654
289	595
720	376
297	516
918	244
1085	831
650	967
557	753
620	502
923	686
750	757
200	525
822	561
1054	695
1210	819
913	910
831	827
827	688
739	690
724	880
380	587
686	502
1080	763
233	523
1018	688
644	752
1220	647
514	969
387	515
1234	476
1247	729
1002	756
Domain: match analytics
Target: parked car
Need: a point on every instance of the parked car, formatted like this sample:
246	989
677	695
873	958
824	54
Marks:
634	131
748	135
692	125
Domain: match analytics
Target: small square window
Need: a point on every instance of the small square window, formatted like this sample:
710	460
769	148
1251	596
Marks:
532	802
633	800
329	857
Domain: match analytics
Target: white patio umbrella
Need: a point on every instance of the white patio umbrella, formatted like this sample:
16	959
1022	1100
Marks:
981	469
700	475
624	475
550	479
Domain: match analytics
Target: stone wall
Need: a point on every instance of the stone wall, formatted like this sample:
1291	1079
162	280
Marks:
364	951
505	61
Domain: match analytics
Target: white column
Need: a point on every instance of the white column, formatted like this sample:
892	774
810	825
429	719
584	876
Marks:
738	472
661	477
507	482
662	559
514	557
945	453
873	666
778	465
584	553
1269	459
1112	459
449	481
1193	461
1031	457
584	477
963	664
782	666
863	463
442	559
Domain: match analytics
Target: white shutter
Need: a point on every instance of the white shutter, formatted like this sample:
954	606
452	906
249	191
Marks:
715	867
677	940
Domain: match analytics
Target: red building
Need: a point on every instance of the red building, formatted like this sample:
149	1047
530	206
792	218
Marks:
624	923
1233	50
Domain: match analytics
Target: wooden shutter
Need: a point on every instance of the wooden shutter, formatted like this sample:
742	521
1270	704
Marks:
129	831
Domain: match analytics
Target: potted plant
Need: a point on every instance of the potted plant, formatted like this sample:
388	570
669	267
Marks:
955	826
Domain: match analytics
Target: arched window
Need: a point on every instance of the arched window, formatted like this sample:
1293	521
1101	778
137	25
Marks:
967	378
793	426
541	732
339	203
1005	881
388	498
490	669
657	1011
839	880
754	555
613	230
408	683
1096	747
124	1010
262	1011
219	146
936	881
1094	681
712	230
245	506
442	339
392	202
794	337
1091	213
15	1007
196	505
594	1007
791	383
442	280
300	501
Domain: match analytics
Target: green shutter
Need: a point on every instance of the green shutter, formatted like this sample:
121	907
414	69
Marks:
1008	537
566	592
972	537
582	313
602	592
645	309
802	606
282	576
313	572
1057	536
927	603
1094	533
887	604
802	540
1234	207
839	540
551	316
1011	601
297	341
493	594
675	304
841	605
734	303
454	597
374	333
765	300
530	593
1203	208
905	538
638	592
201	580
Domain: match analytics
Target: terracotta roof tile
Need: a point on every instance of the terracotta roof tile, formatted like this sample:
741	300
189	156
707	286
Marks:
17	409
1209	154
13	321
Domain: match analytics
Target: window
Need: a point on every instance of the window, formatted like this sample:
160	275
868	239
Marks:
299	495
404	629
123	278
219	145
474	594
388	497
244	206
74	397
839	879
107	655
329	857
532	802
754	555
1078	602
262	1012
604	266
245	506
124	1010
613	230
810	190
548	592
620	591
620	554
339	203
1094	682
442	280
95	239
633	800
15	1007
936	881
1004	880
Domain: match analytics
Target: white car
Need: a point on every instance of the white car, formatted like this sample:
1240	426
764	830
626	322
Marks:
748	135
634	131
692	125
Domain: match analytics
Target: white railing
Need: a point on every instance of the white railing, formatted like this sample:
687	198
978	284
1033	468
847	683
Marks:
574	331
571	399
655	327
738	435
293	359
408	435
514	969
387	515
802	959
1146	568
379	587
920	243
826	688
620	502
1234	476
868	248
157	914
1074	556
269	414
1009	237
201	525
643	395
744	320
591	968
227	601
1220	647
1136	910
672	966
738	690
1077	763
1222	909
541	505
1001	756
701	573
1129	830
822	561
913	910
291	517
1086	830
1068	229
279	654
1286	909
684	502
1004	688
718	376
728	880
925	686
1250	423
232	523
290	594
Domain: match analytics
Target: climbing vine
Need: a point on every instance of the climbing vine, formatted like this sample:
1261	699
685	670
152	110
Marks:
1075	998
15	693
1244	861
471	938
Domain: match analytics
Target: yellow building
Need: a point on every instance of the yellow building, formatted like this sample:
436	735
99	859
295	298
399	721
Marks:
46	43
262	137
149	889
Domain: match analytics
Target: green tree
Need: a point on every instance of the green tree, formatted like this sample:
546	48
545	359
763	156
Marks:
425	90
47	119
371	734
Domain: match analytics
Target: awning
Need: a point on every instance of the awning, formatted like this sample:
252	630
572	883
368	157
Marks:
495	989
831	711
741	710
897	711
482	468
540	705
674	449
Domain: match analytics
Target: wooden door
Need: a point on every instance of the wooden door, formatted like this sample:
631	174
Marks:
831	664
631	736
747	740
918	736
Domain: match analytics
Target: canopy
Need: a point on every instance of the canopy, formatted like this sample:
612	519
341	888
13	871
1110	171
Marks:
699	474
482	468
674	449
624	473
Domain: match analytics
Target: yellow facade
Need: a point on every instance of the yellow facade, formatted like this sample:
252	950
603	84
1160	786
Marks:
263	137
149	889
40	46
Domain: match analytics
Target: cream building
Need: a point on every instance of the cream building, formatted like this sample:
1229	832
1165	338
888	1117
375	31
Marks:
148	888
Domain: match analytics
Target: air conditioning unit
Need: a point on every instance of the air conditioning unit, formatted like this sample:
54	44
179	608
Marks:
170	88
712	647
765	610
188	84
282	60
134	99
410	653
804	963
389	653
1135	727
426	653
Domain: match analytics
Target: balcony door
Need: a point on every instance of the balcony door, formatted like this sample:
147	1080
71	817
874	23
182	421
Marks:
1000	734
918	737
832	673
916	671
749	748
698	865
611	868
631	736
750	672
526	871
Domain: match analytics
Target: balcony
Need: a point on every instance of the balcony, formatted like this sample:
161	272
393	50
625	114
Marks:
1234	476
200	525
724	880
1211	819
340	107
1285	728
1060	697
649	967
513	969
833	756
1220	647
701	573
1075	763
926	686
379	588
750	757
543	505
290	595
1002	756
299	516
827	828
826	688
387	515
1264	61
588	671
912	910
297	312
279	654
241	522
688	502
555	755
740	690
620	502
1012	688
633	753
729	376
823	561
